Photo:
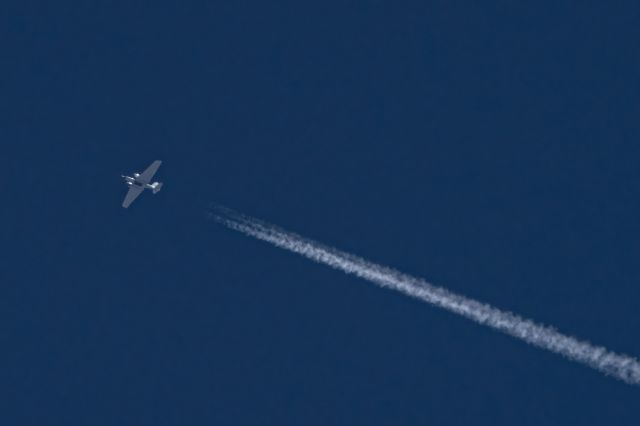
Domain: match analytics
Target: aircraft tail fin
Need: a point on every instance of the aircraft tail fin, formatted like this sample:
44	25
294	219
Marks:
156	187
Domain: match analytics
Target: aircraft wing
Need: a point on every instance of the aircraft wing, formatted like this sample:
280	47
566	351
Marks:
147	175
133	193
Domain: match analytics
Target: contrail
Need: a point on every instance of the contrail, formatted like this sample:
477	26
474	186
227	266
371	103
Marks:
620	366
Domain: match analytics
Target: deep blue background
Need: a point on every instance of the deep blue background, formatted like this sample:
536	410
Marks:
492	149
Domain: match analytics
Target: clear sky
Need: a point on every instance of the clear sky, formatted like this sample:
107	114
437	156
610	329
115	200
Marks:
489	148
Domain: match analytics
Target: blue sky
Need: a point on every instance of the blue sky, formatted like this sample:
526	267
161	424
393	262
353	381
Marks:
491	149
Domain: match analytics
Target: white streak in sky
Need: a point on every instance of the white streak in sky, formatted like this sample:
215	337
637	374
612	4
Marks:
620	366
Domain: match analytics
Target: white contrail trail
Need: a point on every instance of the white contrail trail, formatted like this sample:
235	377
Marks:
620	366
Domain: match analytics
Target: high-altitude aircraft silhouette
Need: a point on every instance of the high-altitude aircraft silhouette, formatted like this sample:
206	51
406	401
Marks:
141	181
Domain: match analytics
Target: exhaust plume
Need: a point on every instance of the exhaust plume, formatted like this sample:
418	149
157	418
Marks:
619	366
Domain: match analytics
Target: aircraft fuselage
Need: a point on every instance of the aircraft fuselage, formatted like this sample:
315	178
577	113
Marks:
132	181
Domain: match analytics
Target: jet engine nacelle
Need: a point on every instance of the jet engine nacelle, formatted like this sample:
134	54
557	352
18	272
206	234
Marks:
136	175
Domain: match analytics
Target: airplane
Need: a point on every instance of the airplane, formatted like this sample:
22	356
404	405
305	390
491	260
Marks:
141	181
